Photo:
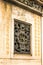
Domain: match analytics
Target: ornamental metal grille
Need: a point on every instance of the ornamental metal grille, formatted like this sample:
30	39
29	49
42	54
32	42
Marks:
21	37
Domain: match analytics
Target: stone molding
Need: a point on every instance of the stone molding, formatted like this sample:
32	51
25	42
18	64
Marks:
32	6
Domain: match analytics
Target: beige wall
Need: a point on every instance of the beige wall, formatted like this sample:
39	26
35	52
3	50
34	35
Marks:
37	29
35	20
5	19
42	40
8	13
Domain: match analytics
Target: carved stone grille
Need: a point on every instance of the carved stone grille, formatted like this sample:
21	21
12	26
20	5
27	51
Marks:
21	37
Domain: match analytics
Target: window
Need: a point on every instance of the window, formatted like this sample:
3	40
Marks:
22	42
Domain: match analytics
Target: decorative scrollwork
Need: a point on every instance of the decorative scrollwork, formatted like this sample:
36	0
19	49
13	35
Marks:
21	37
32	4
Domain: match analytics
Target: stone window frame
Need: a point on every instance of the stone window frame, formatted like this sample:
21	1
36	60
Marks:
26	23
26	56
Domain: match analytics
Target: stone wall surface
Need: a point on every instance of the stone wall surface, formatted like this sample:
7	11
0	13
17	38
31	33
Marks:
42	40
19	62
35	20
5	19
8	13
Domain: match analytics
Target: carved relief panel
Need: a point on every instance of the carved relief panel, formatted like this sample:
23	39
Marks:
32	4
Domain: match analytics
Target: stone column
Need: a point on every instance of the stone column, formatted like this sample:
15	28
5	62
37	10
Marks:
7	29
5	20
42	40
37	29
2	29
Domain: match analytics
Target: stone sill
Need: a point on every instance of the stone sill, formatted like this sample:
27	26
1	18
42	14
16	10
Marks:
26	57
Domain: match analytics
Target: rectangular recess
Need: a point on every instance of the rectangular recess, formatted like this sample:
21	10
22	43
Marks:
22	37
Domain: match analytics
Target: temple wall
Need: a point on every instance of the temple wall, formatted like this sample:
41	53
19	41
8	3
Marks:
5	19
42	40
8	13
35	20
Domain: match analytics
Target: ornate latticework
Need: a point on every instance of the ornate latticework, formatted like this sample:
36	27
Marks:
21	37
